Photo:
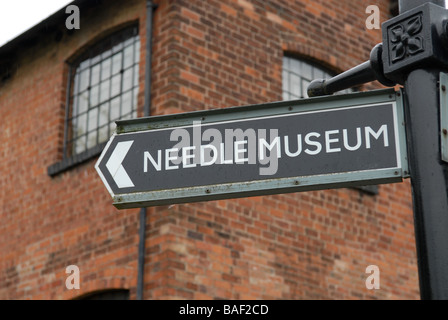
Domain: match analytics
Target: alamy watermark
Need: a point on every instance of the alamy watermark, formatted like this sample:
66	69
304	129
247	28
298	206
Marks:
73	21
209	147
373	280
373	20
73	280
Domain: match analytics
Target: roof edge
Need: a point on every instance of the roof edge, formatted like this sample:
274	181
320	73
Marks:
51	21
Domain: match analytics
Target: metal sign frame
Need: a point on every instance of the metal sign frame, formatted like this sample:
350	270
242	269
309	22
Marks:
266	186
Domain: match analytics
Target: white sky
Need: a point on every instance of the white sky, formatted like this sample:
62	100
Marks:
17	16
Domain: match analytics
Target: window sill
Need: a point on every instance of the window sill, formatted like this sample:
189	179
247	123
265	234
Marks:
69	163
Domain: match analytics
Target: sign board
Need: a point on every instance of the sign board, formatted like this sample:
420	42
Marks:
309	144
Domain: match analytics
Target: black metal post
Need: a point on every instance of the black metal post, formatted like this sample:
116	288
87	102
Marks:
429	175
429	181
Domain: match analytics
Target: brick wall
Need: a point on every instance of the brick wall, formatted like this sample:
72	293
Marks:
206	54
50	223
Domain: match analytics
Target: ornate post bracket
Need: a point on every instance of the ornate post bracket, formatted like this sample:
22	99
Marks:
417	38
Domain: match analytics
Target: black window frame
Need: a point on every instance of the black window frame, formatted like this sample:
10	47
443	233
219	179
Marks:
71	159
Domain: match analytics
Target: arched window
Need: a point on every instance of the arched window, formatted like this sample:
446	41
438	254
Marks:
110	294
103	88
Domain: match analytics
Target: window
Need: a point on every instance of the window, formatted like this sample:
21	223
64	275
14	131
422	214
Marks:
297	75
102	88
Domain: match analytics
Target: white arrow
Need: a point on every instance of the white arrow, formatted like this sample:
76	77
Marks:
115	167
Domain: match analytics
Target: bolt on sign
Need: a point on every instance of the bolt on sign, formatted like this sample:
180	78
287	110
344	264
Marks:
301	145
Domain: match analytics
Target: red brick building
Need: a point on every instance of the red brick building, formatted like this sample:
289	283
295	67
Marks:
61	91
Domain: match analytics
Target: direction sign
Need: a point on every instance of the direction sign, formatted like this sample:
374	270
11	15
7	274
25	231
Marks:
308	144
